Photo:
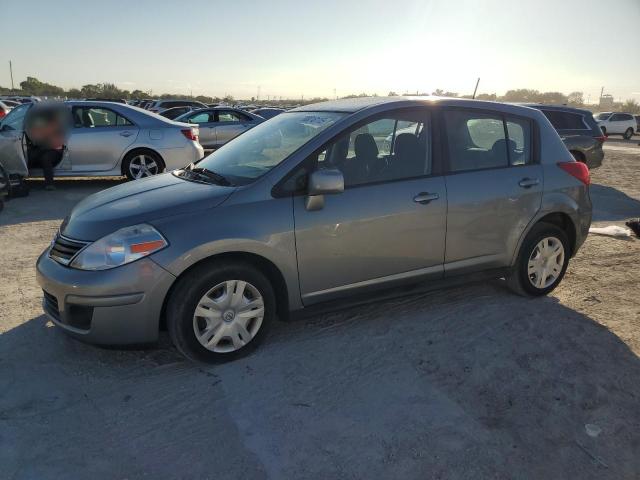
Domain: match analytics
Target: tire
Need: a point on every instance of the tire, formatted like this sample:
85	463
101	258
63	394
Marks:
142	163
578	156
604	131
231	342
628	134
520	281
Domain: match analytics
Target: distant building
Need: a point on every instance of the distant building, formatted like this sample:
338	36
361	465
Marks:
606	102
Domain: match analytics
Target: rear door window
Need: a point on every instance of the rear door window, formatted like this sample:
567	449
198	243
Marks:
519	141
479	141
620	117
204	117
476	141
231	116
91	117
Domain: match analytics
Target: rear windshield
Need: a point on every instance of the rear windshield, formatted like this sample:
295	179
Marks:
565	120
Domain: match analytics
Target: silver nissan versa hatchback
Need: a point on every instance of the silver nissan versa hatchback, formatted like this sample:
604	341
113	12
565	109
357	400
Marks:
316	207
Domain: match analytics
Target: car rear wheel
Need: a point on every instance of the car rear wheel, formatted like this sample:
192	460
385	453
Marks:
141	164
578	156
628	133
542	261
219	312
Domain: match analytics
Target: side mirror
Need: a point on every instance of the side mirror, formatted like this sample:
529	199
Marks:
321	183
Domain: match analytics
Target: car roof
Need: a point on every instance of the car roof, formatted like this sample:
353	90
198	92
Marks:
562	108
353	105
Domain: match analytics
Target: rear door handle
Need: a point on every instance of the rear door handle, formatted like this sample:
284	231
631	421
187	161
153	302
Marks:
528	182
126	133
425	197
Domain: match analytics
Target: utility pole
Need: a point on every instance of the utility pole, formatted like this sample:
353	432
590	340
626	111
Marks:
258	96
601	93
476	89
11	73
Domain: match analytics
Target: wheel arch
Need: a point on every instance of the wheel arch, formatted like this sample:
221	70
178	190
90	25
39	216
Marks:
264	265
559	218
578	155
564	222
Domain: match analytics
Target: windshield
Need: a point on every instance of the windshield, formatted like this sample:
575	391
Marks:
603	116
258	150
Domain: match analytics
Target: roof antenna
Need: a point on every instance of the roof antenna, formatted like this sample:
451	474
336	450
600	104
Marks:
475	89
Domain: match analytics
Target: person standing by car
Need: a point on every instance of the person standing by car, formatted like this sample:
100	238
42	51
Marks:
45	127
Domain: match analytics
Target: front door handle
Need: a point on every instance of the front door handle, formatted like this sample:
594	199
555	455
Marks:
528	182
424	197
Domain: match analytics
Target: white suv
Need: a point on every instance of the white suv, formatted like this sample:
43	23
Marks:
617	123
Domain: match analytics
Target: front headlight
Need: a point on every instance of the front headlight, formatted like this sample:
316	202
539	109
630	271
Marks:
119	248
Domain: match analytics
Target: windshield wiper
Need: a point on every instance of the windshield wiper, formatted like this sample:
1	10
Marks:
208	174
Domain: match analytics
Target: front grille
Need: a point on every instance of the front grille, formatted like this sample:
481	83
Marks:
50	304
64	249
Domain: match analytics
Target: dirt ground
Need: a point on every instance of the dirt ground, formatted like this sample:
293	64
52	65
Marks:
470	382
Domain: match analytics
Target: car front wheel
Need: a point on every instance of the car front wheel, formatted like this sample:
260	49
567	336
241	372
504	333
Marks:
219	312
542	261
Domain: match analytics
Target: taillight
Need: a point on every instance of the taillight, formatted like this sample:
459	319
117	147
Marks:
601	138
2	113
190	133
578	170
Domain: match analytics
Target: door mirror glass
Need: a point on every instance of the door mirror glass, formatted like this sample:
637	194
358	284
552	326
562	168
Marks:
321	183
326	182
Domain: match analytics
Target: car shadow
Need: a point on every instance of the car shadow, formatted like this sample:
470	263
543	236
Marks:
611	204
469	382
41	205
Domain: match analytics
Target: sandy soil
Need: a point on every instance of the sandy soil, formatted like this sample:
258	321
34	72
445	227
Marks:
470	382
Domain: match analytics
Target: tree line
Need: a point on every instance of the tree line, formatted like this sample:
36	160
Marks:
33	86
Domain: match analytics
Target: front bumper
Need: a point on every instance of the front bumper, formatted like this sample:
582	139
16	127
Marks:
110	307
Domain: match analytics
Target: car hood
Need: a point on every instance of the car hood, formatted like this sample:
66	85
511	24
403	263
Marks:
140	201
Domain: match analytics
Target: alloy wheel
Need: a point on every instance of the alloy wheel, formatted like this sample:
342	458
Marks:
228	316
143	166
546	262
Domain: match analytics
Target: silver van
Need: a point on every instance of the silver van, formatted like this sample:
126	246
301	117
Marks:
316	207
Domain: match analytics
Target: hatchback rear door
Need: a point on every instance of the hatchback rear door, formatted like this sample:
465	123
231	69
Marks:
99	138
494	187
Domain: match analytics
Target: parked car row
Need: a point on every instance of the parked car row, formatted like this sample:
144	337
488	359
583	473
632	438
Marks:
220	124
106	139
21	98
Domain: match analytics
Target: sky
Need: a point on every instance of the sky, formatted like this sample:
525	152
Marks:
307	48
